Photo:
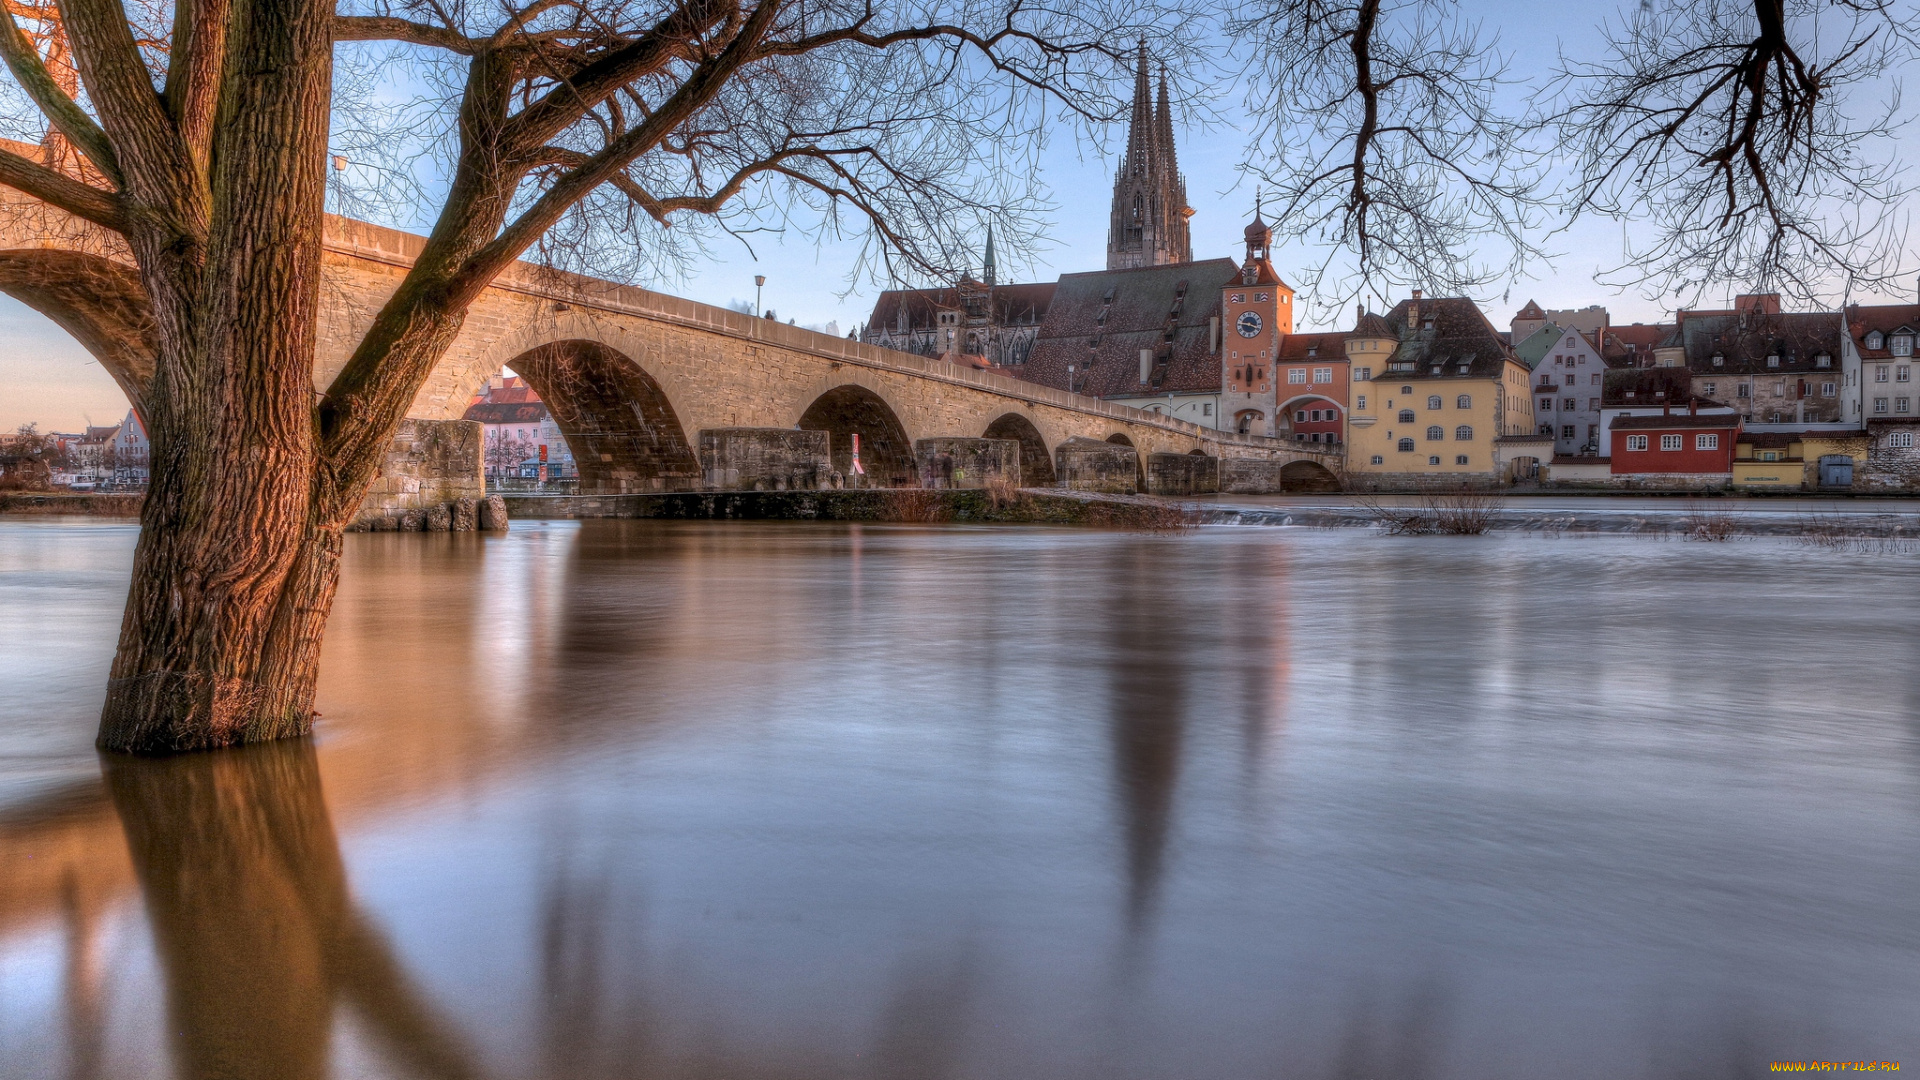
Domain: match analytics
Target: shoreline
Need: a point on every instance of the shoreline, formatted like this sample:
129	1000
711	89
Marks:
1053	506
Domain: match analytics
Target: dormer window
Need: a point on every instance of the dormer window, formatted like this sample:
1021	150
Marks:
1874	340
1903	344
1426	324
1822	360
1313	350
1773	361
1718	360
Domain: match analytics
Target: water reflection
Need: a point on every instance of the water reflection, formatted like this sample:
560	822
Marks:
256	933
756	801
1146	699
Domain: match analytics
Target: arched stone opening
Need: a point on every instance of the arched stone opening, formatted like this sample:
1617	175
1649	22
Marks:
617	421
1120	439
1307	476
100	302
1036	462
886	452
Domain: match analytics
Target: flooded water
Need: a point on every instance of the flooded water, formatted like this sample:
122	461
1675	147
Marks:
783	801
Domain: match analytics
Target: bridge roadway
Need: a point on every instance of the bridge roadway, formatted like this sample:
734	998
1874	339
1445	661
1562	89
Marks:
631	376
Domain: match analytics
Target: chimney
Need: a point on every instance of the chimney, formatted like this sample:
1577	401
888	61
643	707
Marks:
1413	311
1693	406
1666	408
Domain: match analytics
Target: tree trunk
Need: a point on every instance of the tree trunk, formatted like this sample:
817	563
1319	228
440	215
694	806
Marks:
239	545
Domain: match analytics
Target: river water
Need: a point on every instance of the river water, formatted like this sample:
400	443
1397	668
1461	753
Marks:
627	799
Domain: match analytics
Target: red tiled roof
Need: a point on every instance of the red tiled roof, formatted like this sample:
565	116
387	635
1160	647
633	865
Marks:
1676	420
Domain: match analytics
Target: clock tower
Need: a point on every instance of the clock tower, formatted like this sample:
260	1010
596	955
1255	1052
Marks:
1256	308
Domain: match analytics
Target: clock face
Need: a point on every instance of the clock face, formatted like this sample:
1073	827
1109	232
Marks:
1248	324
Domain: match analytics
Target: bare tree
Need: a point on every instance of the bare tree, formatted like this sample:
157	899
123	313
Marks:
579	115
1744	132
1380	138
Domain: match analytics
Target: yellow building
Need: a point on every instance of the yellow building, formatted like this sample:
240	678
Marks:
1434	390
1799	460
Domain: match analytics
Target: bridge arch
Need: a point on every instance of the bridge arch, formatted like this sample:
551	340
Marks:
1304	475
886	450
1036	462
617	420
99	301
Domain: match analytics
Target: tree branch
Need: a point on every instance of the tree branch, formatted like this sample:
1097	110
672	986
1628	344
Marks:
57	189
62	111
388	28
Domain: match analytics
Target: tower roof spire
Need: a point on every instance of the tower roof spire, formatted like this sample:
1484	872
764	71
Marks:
1163	129
1140	131
987	267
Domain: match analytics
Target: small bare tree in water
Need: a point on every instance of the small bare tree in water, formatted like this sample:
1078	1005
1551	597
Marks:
1753	139
208	153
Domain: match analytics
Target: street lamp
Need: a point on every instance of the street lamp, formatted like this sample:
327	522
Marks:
758	281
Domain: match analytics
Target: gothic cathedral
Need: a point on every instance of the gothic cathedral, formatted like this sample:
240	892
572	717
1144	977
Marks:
1150	210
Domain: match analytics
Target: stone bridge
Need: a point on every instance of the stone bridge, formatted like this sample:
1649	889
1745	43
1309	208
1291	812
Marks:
639	382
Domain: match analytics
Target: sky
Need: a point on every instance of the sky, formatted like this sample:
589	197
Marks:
46	377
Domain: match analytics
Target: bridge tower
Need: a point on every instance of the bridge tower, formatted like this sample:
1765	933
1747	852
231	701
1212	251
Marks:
1257	309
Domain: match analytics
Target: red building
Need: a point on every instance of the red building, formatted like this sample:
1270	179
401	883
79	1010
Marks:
1689	443
1313	387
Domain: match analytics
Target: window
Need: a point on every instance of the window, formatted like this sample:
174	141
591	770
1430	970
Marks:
1569	404
1297	375
1826	389
1709	389
1300	416
1378	460
1874	339
1364	374
1593	432
1406	389
1463	433
1546	404
1636	442
1593	404
1461	459
1206	408
1436	433
1323	374
1566	432
1901	404
1669	442
1546	429
1406	446
1903	344
1464	401
1572	379
1595	381
1880	373
1433	459
1901	439
1880	405
1406	416
1360	402
1706	442
1433	401
1745	391
1903	373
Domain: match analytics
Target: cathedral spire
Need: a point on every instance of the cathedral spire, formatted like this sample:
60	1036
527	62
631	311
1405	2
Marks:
987	267
1163	129
1141	131
1149	223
